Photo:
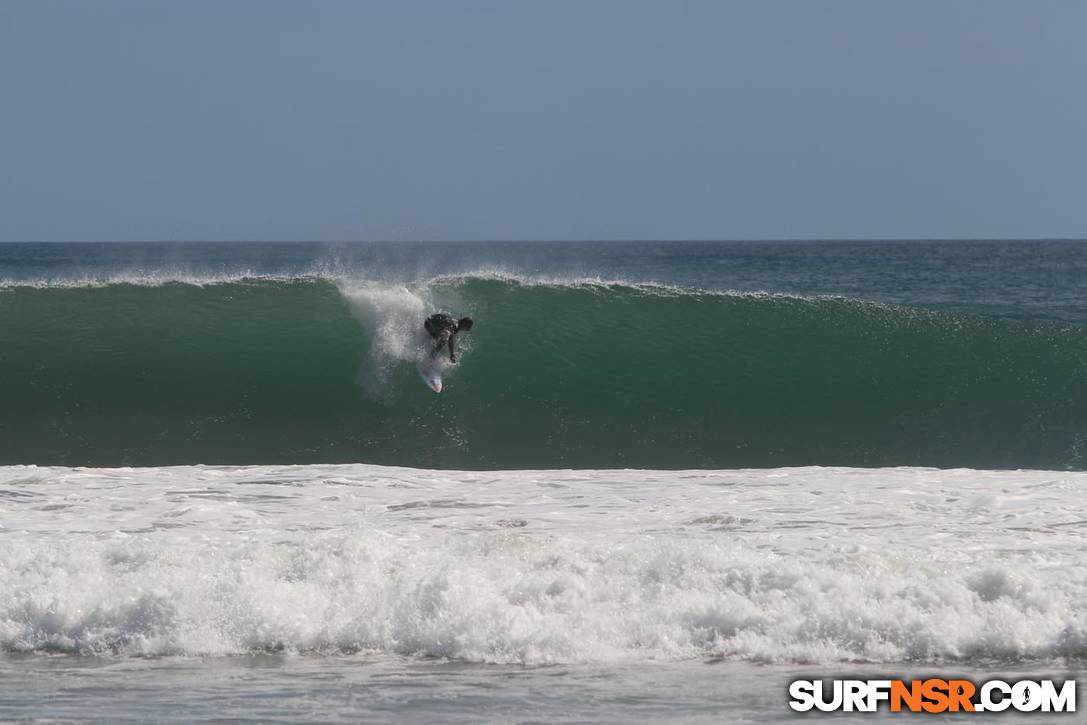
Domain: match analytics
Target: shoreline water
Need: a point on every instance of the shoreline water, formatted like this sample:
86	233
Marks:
280	688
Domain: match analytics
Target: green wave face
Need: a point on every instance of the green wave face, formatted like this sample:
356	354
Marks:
551	376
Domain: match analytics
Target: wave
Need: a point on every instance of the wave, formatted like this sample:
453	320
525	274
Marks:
587	373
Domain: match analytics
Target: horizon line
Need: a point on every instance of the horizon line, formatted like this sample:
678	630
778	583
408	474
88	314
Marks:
636	240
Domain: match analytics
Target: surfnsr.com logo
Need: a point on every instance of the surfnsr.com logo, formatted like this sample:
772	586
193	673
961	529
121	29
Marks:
932	695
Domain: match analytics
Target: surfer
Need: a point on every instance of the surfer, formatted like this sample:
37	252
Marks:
444	328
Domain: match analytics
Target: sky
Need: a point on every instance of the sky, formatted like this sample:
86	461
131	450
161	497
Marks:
564	119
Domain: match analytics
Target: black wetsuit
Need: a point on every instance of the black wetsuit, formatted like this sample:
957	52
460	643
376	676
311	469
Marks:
441	327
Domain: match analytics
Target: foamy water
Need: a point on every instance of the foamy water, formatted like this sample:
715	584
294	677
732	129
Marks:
587	568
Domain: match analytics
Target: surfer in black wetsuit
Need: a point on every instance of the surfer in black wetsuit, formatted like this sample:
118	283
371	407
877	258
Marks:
444	328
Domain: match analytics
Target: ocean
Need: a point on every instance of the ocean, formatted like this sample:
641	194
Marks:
662	481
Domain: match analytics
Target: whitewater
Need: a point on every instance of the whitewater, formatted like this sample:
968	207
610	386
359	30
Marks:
571	578
809	565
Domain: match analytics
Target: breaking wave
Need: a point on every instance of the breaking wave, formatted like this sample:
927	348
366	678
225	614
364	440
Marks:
578	373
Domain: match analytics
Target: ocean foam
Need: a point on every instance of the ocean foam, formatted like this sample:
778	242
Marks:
536	567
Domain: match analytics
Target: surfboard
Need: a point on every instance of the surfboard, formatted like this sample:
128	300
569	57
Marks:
430	370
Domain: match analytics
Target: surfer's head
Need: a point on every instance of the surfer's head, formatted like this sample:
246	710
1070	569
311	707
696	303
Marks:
464	323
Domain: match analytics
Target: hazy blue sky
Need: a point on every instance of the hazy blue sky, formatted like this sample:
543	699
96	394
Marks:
542	120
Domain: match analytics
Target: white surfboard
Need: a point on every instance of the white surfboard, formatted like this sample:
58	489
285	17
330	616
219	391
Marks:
430	370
